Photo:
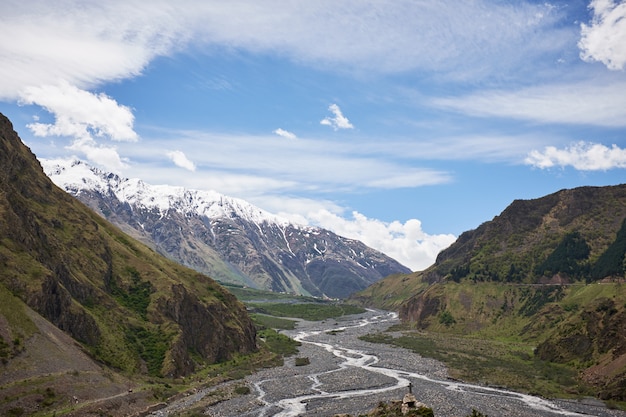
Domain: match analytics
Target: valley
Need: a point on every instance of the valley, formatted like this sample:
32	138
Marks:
348	375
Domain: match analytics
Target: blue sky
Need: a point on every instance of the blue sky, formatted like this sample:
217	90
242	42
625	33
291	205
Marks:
400	123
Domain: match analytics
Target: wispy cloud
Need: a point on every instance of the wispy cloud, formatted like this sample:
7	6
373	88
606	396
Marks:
589	103
338	120
583	156
318	164
604	40
96	42
285	133
180	159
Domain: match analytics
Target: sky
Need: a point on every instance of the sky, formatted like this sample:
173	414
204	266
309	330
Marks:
401	123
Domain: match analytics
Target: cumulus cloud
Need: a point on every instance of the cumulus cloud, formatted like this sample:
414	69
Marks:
84	117
285	133
405	242
79	113
604	40
107	157
583	156
180	159
338	120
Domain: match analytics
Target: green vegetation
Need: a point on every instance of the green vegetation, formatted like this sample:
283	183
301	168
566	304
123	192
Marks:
613	261
137	297
499	363
242	390
150	345
307	311
446	318
246	294
302	361
534	338
278	343
263	321
569	257
125	305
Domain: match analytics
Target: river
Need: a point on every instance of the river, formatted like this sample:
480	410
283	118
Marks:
348	375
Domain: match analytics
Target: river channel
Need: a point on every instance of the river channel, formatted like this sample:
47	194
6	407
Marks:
348	375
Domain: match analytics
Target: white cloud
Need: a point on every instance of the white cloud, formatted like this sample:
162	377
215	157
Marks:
338	121
583	103
180	159
79	113
88	43
285	133
405	242
583	156
84	117
604	40
306	164
104	156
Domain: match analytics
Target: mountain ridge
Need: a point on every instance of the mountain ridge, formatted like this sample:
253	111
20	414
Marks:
127	309
225	237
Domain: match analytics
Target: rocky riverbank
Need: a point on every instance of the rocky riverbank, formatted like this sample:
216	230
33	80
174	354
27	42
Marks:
348	375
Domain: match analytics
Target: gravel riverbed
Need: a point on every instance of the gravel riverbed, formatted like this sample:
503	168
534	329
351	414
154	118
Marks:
348	375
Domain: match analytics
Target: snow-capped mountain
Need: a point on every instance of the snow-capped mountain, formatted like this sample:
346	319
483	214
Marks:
226	238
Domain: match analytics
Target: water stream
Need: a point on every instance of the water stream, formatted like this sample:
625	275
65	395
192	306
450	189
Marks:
296	406
348	375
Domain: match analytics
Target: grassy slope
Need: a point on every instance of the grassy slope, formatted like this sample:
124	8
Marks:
489	332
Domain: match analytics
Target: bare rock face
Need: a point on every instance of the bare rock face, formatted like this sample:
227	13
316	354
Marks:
226	238
204	331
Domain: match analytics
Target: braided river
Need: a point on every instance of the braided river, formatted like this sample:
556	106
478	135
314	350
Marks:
348	375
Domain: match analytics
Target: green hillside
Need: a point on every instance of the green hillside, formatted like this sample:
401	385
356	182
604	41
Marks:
124	306
547	272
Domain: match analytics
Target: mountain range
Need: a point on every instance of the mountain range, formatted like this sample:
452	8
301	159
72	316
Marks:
82	304
226	238
548	271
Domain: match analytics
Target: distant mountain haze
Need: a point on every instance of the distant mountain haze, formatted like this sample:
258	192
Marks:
227	238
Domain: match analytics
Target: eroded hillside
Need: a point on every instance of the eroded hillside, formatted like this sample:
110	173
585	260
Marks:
127	307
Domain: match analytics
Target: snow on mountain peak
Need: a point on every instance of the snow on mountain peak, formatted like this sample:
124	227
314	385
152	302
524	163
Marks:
74	175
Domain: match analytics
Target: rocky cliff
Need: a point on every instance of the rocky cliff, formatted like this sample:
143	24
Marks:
127	306
227	238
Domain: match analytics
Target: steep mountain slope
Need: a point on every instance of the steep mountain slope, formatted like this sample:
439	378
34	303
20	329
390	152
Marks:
549	270
227	238
123	304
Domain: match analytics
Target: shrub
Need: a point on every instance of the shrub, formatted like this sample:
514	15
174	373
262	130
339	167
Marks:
242	390
302	361
446	318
